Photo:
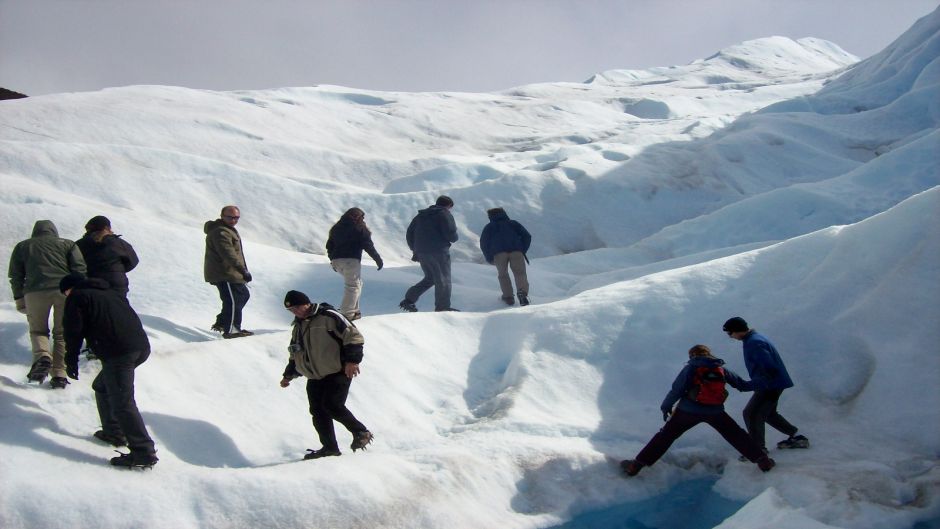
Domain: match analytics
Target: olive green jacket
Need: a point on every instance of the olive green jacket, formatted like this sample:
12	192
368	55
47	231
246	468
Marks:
40	262
326	341
225	258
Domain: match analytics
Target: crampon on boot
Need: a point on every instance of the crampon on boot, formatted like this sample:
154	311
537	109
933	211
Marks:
40	370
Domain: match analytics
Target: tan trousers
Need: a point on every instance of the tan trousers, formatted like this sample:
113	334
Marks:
38	306
515	261
351	270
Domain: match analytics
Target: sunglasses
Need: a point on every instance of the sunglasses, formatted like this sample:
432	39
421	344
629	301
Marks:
230	217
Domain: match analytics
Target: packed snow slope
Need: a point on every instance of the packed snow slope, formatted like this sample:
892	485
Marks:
777	180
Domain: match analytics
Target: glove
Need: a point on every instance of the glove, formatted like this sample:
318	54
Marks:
247	275
71	366
20	305
414	257
666	415
379	264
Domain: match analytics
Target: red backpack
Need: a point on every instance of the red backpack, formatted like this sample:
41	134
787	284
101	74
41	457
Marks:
708	386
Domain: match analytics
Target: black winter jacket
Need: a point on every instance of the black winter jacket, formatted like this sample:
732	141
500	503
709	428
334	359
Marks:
503	234
109	258
102	316
348	240
431	231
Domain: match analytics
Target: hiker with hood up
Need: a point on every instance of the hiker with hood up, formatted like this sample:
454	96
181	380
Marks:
107	255
36	266
504	242
429	237
700	393
348	238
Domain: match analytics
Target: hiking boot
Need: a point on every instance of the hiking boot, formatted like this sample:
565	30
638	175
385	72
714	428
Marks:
217	327
765	464
245	333
794	441
361	439
236	334
509	300
58	382
523	300
111	438
40	370
323	452
407	306
448	309
134	460
631	467
355	316
743	458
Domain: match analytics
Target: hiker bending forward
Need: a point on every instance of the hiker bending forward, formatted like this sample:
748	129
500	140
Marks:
327	349
699	390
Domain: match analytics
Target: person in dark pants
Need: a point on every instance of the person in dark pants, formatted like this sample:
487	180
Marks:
699	391
769	377
104	318
429	237
225	267
327	349
107	255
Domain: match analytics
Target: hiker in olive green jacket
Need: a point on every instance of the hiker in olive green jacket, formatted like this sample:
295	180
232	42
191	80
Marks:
225	268
36	267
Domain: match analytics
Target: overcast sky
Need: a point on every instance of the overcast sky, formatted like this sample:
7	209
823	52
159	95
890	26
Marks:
49	46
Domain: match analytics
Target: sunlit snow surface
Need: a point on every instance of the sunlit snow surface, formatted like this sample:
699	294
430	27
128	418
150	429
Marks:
776	180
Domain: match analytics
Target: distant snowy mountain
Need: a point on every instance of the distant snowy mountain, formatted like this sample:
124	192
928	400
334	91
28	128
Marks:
778	180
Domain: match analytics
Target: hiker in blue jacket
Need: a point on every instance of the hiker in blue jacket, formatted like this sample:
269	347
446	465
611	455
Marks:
700	392
769	378
504	243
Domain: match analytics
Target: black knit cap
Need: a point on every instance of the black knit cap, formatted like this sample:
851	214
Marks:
735	324
295	298
70	281
97	223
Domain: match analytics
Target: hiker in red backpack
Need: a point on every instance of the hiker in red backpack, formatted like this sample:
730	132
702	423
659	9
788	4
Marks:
700	391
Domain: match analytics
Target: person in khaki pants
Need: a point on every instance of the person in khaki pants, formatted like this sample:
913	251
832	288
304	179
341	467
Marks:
36	267
504	243
349	237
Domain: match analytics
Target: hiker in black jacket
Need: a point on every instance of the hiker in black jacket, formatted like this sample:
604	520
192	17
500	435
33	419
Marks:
429	237
348	238
107	255
700	396
504	242
104	318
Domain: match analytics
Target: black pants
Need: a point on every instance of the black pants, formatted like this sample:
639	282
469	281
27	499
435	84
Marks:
680	422
117	409
234	297
327	398
436	268
762	408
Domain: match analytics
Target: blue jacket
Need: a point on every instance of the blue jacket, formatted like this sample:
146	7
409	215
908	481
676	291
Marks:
503	234
431	231
763	363
683	383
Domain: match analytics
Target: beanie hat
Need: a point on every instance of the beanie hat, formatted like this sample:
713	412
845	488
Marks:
70	281
295	298
735	324
444	201
97	223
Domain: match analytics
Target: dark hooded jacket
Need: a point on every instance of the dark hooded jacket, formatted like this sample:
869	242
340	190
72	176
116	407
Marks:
764	364
348	239
108	257
503	234
685	379
38	263
431	231
225	258
104	318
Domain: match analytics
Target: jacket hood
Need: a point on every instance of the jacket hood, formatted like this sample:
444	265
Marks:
704	361
213	224
433	210
499	214
44	227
